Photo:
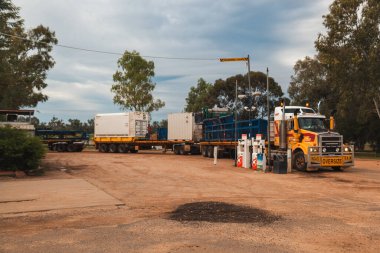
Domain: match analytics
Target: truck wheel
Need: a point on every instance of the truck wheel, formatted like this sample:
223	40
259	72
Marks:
113	148
210	152
71	147
204	151
182	151
299	162
61	148
122	148
232	154
103	148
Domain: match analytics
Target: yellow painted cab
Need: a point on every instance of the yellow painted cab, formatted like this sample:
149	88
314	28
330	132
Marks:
313	145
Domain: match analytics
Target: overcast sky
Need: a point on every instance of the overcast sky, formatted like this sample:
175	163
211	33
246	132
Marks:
275	33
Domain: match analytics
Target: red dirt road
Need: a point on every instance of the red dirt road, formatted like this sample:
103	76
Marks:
319	212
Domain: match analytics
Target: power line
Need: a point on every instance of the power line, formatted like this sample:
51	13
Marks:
113	53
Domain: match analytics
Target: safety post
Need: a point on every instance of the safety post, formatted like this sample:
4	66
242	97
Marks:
215	154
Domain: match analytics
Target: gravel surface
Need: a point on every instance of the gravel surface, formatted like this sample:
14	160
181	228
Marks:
220	208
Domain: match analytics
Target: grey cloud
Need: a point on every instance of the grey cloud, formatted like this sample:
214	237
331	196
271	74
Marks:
273	32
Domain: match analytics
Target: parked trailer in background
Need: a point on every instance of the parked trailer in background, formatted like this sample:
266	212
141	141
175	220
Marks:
183	129
128	132
63	140
118	132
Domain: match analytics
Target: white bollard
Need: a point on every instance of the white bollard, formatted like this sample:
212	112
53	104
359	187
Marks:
215	154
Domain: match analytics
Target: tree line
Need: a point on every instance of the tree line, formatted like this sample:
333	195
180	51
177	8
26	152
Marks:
343	75
59	124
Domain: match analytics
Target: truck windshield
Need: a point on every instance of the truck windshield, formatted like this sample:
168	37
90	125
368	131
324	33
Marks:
312	124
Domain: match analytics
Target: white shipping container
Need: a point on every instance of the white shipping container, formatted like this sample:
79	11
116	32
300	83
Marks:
181	126
125	124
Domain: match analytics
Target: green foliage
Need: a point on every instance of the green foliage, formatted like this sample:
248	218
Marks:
59	124
199	97
133	85
24	59
18	151
309	84
345	73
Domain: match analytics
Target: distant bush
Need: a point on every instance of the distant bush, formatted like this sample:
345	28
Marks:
19	151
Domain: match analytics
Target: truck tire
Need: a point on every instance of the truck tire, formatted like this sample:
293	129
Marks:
299	161
61	147
103	148
122	148
182	151
232	154
71	148
210	152
113	148
205	151
176	150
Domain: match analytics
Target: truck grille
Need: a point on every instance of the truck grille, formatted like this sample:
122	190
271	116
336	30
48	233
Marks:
330	143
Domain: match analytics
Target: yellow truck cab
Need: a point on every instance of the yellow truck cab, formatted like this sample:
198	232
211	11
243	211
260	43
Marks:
313	145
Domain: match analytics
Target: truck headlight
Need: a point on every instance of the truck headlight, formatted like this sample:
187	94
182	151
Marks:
314	150
324	150
347	149
337	149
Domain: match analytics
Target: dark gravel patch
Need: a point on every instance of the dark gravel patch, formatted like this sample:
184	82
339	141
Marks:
221	212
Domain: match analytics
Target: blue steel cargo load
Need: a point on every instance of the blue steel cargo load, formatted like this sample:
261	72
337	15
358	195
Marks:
187	133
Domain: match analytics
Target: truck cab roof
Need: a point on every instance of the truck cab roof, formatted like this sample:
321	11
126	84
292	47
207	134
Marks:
303	112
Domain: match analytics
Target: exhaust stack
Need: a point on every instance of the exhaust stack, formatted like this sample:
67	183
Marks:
283	130
332	121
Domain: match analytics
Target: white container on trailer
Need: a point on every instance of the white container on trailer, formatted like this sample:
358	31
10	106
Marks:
181	126
125	124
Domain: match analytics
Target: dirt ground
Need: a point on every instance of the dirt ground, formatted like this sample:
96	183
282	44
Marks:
186	204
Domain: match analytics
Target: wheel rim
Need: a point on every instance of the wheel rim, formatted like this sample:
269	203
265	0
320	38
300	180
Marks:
300	161
121	148
113	148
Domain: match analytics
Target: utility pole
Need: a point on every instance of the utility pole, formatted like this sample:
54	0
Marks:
249	84
250	95
235	139
268	126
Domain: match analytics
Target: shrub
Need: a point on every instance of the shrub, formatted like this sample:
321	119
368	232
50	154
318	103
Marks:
19	151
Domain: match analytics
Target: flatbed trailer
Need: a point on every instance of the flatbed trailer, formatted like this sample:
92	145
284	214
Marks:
225	148
63	140
133	145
